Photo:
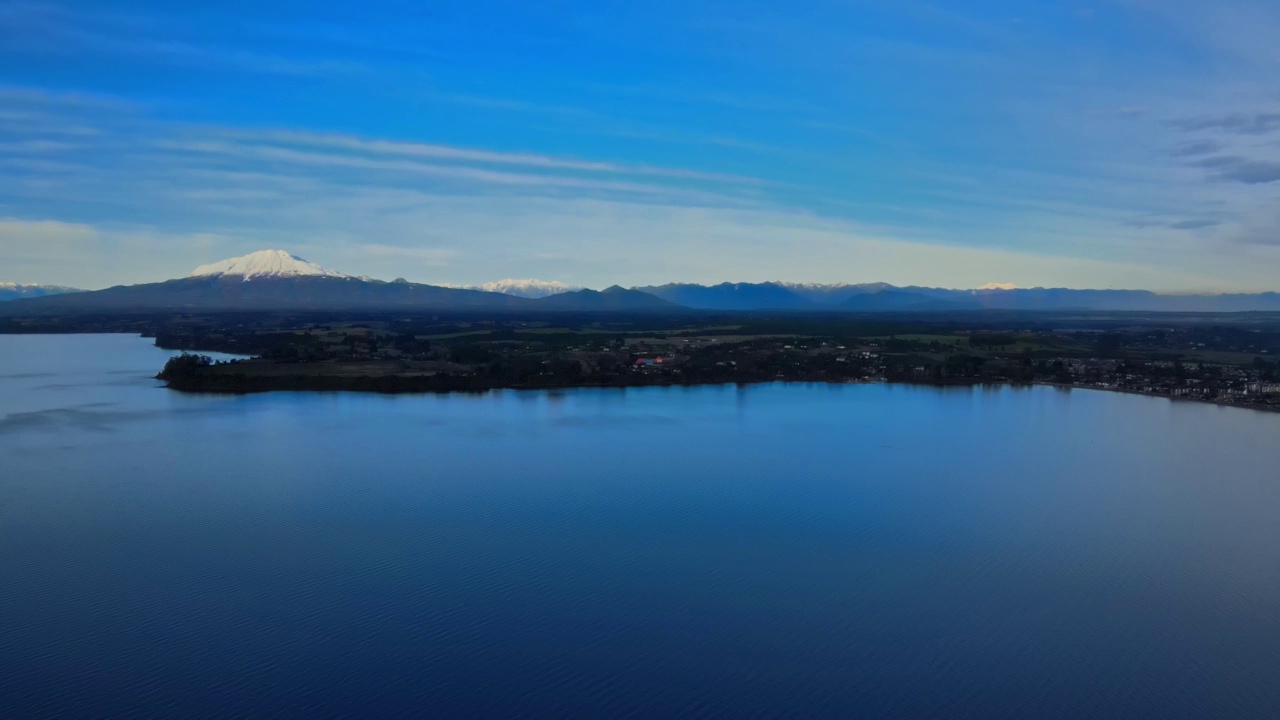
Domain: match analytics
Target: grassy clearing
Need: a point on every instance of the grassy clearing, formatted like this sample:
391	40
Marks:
944	339
450	336
1222	357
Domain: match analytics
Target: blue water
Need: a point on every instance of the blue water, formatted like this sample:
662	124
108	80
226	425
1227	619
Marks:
789	551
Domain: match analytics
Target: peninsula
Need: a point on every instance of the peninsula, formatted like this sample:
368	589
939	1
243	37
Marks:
1228	359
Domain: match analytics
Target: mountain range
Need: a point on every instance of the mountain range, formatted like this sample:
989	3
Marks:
277	280
14	291
881	297
530	288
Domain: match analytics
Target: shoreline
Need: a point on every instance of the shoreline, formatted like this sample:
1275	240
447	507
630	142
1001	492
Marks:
1201	401
393	385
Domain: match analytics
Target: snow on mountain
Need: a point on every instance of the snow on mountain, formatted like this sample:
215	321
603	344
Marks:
34	286
832	293
265	264
14	291
832	286
998	286
529	288
811	285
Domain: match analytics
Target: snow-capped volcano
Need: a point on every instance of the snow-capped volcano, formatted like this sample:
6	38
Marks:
265	264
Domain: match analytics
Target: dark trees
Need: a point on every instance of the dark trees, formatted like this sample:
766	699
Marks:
184	365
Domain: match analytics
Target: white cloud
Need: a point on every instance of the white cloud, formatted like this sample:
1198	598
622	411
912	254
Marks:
89	256
30	235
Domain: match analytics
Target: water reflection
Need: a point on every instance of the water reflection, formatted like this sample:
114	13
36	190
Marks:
762	551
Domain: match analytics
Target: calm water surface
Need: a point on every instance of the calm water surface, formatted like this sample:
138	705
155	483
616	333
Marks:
774	551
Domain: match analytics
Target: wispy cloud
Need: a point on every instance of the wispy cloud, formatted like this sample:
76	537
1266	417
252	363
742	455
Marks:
1197	147
428	206
443	152
1240	123
1130	113
454	173
1194	224
1239	169
421	256
50	29
37	147
23	102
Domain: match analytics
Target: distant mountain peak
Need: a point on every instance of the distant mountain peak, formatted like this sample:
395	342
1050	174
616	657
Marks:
17	291
265	264
528	288
612	298
34	286
832	287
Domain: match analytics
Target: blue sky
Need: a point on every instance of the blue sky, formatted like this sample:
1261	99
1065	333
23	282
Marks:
1125	143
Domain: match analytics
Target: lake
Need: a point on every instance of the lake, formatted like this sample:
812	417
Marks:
788	551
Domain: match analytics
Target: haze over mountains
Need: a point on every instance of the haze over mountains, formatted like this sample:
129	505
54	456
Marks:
277	280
